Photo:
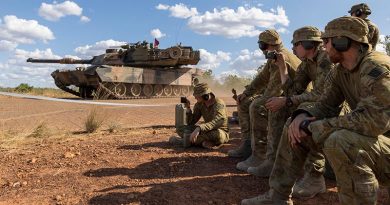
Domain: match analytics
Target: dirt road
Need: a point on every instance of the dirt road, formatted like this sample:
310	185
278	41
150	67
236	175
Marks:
134	164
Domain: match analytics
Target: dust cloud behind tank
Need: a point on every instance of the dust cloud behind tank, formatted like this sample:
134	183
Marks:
130	71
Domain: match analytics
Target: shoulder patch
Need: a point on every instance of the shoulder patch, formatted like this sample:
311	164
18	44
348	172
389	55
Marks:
377	72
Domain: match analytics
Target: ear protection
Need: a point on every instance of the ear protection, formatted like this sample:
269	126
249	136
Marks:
307	45
263	46
358	12
341	44
206	97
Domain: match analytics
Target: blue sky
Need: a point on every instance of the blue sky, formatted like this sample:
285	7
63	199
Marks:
224	30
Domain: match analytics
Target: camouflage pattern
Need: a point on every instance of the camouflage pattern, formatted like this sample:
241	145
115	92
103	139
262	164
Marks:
310	70
270	37
269	79
131	70
373	33
307	33
201	89
215	126
353	143
352	27
363	7
244	116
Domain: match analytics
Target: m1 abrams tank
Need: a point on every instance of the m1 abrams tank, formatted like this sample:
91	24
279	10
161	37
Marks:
130	71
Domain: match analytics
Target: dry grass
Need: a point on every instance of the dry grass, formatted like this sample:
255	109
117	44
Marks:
94	121
40	131
113	127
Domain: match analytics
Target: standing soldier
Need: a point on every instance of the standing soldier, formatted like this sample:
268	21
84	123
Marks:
355	144
315	67
268	79
363	11
214	131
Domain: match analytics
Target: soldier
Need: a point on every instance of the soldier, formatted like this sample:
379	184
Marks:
315	67
252	109
363	11
214	131
354	144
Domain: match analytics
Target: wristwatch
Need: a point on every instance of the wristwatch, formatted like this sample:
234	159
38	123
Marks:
289	102
305	127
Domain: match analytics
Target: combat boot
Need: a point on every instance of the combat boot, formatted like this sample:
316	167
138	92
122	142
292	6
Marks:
175	140
269	198
252	161
309	186
263	170
186	140
244	150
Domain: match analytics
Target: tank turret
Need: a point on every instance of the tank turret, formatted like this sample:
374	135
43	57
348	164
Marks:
135	70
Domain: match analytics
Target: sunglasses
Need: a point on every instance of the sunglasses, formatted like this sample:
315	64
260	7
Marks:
296	44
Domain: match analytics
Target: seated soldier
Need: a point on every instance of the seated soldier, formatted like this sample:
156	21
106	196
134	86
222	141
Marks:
356	144
214	131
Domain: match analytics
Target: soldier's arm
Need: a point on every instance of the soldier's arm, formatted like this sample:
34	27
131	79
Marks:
193	117
218	120
371	117
375	37
322	82
298	84
260	81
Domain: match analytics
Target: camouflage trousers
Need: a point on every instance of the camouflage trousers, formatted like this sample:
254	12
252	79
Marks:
217	136
244	116
290	162
360	163
258	117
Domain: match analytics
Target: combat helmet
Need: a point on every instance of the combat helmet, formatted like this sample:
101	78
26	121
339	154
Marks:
359	9
307	33
270	37
352	27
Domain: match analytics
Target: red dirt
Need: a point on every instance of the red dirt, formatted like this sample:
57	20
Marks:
134	165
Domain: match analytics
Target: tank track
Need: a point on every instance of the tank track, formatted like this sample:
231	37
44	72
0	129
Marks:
66	89
118	97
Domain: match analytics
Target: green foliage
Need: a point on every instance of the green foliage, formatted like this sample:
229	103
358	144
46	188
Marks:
386	42
234	81
23	88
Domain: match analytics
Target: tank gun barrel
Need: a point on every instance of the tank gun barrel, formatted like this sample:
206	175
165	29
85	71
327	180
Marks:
60	61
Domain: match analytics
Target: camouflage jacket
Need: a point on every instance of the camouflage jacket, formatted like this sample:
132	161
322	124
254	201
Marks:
315	71
373	33
214	116
268	79
367	91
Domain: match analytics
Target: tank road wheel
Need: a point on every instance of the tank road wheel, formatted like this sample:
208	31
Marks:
120	89
135	90
167	90
147	90
158	90
176	90
175	52
185	90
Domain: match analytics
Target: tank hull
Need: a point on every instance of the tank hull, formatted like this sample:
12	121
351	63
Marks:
124	82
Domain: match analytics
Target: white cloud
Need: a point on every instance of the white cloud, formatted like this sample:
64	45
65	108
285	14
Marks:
7	45
85	19
247	62
156	33
211	60
179	10
55	11
98	48
16	70
242	22
22	31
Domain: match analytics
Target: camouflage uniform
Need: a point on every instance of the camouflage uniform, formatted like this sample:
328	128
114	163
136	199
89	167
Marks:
215	125
373	31
269	80
354	143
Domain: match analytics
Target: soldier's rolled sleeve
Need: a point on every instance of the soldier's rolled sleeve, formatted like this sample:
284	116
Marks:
193	117
217	121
